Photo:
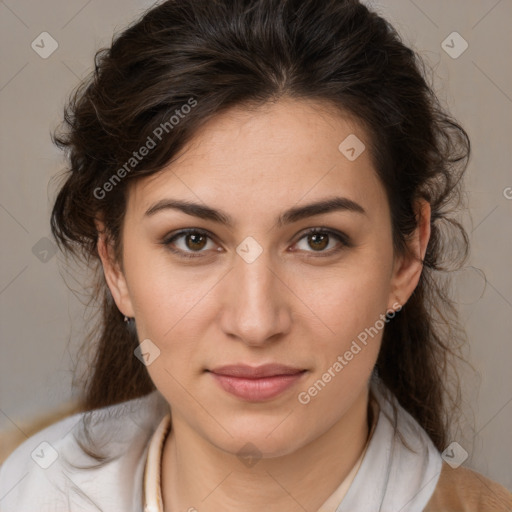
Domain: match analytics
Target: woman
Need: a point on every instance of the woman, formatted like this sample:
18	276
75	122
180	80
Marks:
263	187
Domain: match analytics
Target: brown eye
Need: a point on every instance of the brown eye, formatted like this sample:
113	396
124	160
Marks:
188	243
318	241
195	241
323	241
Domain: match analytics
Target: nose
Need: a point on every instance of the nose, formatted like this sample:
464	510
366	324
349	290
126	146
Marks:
256	307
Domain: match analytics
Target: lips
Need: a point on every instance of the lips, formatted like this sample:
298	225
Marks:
258	383
256	372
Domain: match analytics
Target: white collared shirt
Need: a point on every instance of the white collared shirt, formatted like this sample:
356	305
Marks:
152	493
50	472
152	496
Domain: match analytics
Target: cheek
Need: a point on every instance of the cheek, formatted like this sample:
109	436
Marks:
346	353
348	301
350	304
165	297
174	309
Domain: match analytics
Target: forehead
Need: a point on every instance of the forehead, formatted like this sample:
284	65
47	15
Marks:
267	158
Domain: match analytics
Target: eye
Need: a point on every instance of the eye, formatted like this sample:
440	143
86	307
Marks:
319	239
192	242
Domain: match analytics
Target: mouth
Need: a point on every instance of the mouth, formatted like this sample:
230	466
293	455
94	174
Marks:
256	384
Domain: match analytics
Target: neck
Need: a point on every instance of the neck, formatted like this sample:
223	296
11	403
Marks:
197	475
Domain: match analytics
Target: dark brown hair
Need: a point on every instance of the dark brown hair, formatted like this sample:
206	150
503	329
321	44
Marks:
225	53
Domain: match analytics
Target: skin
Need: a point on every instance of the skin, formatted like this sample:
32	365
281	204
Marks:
294	307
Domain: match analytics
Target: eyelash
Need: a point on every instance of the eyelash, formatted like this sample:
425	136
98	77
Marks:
341	237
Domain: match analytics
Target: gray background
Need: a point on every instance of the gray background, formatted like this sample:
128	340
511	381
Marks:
42	320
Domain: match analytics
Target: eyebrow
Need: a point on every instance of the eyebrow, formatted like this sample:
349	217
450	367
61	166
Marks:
288	217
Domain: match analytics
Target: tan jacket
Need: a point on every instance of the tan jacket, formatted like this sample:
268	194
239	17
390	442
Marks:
464	490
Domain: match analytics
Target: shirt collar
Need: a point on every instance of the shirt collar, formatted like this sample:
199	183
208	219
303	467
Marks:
401	462
152	488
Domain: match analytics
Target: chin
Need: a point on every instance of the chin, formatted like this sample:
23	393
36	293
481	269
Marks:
270	438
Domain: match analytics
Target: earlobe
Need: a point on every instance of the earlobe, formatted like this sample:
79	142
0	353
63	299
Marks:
408	267
114	276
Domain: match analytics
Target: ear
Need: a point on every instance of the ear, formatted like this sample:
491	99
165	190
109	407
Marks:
408	267
114	275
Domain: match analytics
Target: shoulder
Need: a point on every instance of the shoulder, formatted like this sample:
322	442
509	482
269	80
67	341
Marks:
464	490
12	436
55	470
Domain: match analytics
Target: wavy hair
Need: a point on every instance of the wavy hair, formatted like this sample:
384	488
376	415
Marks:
227	53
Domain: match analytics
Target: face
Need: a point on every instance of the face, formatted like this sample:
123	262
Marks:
262	289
